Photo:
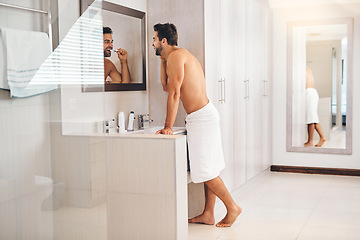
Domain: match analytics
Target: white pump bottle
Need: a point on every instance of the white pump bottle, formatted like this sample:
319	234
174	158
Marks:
131	121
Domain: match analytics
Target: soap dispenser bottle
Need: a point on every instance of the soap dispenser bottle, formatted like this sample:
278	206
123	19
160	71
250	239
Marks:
131	121
121	122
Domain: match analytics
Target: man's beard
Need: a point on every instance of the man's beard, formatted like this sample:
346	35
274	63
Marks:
158	51
107	53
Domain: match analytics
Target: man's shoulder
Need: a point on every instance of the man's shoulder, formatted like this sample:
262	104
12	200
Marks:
108	63
179	54
181	51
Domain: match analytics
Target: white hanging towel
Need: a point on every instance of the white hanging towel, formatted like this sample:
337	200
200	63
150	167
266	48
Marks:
204	144
312	101
23	53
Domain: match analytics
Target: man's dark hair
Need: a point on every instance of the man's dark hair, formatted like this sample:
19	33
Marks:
107	30
168	31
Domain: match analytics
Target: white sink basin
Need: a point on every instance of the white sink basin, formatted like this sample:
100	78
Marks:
153	130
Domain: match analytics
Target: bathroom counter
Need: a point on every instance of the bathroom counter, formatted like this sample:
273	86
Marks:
141	176
144	133
146	186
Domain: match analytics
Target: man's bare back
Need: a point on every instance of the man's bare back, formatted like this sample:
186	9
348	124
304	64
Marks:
108	67
193	87
309	78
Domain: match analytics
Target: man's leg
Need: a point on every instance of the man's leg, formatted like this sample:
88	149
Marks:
218	188
311	128
207	217
320	132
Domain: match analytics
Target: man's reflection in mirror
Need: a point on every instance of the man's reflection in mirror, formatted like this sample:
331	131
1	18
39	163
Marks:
109	67
311	105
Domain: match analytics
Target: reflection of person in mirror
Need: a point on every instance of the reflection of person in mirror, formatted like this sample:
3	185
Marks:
109	67
311	105
183	78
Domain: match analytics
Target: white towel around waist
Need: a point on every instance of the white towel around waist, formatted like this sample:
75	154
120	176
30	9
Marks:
24	52
312	101
204	143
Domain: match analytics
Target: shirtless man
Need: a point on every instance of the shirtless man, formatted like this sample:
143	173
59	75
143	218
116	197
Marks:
312	119
183	78
109	67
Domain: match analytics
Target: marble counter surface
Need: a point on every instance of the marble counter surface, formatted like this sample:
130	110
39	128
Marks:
145	133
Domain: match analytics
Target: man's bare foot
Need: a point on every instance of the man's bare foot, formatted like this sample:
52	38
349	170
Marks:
204	218
320	143
230	218
308	144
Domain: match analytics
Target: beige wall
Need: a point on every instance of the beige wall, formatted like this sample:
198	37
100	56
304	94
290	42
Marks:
188	18
319	59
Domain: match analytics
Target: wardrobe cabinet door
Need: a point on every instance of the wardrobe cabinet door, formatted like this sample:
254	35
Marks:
237	76
226	108
250	105
239	92
254	71
265	82
212	49
219	68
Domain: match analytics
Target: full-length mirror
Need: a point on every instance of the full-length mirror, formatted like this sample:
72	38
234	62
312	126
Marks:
319	86
124	48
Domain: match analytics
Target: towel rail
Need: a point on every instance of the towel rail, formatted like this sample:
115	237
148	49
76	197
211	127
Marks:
37	11
23	8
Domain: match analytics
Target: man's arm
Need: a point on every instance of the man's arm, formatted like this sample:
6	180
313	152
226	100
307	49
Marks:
175	70
113	72
125	73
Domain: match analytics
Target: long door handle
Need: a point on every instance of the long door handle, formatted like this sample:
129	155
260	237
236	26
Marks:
265	88
221	91
224	83
246	88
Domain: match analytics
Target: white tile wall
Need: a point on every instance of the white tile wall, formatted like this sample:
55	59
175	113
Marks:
3	17
25	152
7	190
5	98
33	222
8	220
7	163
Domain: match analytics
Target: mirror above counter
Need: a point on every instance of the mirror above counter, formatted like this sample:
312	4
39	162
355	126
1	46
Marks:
128	33
319	86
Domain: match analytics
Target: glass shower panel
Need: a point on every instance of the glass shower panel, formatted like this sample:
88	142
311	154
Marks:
52	164
77	145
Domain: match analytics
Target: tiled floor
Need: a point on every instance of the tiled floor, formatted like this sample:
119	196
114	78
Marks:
275	206
337	138
291	206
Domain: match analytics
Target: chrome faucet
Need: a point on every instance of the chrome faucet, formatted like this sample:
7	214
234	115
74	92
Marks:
108	124
142	120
